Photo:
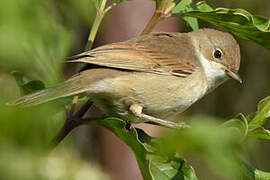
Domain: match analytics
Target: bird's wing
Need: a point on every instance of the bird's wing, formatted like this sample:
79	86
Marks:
162	53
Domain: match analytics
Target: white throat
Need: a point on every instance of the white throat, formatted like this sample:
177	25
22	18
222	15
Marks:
214	73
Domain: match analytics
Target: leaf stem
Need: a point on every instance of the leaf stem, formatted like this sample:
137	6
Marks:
110	7
156	16
99	16
101	11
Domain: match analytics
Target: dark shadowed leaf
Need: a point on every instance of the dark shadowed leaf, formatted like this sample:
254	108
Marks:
27	88
33	86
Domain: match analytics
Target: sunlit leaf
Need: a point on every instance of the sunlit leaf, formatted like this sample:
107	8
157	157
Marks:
185	6
264	106
170	168
260	132
261	115
238	123
251	173
237	21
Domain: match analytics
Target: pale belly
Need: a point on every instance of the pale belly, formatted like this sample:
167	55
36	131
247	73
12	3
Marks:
161	96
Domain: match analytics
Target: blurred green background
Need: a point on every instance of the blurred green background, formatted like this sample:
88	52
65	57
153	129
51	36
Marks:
35	38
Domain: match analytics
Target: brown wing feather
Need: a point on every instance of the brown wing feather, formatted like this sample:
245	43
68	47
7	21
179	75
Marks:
163	53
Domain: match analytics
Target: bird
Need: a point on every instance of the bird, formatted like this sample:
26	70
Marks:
151	77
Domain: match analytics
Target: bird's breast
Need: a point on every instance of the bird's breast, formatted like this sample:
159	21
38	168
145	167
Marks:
162	96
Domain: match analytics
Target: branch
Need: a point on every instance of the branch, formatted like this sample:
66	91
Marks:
99	16
156	17
75	120
101	11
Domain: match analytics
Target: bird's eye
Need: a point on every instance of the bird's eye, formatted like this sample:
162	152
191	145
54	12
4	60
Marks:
217	54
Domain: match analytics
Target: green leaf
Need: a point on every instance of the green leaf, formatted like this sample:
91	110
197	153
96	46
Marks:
264	106
119	1
218	147
33	86
202	6
260	132
261	175
27	88
18	77
152	165
251	116
192	22
238	124
19	80
171	168
261	115
237	21
249	172
185	6
37	85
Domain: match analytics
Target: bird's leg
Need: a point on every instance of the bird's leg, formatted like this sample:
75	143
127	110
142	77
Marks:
73	120
128	126
136	109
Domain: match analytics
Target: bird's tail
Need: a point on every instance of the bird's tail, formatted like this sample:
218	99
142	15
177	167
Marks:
70	87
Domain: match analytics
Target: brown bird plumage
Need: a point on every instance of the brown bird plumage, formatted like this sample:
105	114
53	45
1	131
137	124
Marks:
154	53
167	73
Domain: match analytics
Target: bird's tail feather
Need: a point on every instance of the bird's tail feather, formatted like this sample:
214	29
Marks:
70	87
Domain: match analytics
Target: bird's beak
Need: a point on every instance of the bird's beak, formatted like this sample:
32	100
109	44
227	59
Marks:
233	74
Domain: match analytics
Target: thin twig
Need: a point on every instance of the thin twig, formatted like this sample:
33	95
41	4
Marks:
68	127
73	120
99	16
156	16
101	11
110	7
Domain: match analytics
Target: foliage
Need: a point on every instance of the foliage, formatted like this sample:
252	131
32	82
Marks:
186	6
29	87
151	164
157	157
42	46
238	21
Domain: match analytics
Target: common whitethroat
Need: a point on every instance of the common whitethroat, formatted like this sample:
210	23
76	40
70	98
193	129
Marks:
151	77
